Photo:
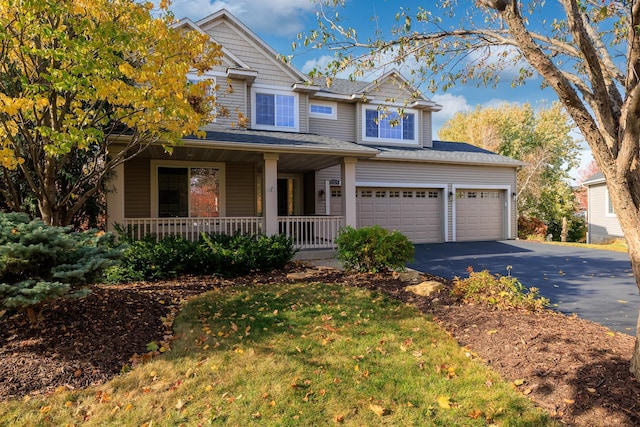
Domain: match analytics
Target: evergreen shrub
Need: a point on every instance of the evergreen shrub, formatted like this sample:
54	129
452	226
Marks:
217	254
40	263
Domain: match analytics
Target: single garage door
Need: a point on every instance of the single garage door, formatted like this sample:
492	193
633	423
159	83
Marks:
479	215
416	213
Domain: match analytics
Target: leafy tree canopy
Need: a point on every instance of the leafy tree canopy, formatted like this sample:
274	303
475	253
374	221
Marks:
77	76
539	138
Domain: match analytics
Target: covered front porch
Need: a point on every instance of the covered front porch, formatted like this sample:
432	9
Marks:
256	182
307	232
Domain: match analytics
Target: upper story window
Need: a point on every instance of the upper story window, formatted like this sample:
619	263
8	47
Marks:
389	126
274	109
323	109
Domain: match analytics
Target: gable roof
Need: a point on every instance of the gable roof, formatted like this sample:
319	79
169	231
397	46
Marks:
357	89
597	178
228	55
447	152
256	40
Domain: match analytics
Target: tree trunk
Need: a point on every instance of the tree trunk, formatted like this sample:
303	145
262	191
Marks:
633	243
629	218
563	234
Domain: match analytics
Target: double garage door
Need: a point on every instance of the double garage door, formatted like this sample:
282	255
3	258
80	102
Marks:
418	213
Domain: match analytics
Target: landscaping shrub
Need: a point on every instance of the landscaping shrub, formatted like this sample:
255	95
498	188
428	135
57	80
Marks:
576	229
40	263
373	249
223	255
502	292
530	227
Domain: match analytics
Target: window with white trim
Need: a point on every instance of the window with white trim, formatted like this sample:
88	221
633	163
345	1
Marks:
608	205
323	109
188	192
389	126
274	109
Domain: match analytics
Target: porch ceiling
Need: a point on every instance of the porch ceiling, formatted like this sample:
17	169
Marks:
297	152
288	162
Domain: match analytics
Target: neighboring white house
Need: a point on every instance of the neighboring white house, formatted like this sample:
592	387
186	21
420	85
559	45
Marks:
313	158
602	221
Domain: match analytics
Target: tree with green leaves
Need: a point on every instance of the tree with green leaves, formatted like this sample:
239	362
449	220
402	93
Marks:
586	51
539	138
77	79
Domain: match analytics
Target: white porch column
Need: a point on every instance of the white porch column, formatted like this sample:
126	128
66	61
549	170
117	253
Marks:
115	195
270	194
348	178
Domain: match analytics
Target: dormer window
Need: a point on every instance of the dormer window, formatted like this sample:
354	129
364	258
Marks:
389	126
274	109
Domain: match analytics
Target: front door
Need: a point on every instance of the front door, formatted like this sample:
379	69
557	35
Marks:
289	200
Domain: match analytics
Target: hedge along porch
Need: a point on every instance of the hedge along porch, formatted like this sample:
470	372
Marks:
236	181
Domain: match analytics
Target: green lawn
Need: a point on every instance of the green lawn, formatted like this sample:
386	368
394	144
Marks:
301	354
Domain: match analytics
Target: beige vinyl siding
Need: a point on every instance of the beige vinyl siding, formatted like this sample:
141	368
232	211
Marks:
303	113
602	226
392	90
241	189
270	71
358	126
426	129
403	173
230	96
136	191
343	128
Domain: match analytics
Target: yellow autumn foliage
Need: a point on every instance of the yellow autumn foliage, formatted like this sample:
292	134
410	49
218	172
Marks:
65	61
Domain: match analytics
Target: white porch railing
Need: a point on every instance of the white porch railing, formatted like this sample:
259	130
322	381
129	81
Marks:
191	228
307	232
311	232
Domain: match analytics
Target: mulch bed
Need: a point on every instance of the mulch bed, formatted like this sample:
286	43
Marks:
575	369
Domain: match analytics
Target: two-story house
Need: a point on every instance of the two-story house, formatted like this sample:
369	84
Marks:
313	158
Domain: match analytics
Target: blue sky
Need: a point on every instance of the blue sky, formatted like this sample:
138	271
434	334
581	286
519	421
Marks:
278	22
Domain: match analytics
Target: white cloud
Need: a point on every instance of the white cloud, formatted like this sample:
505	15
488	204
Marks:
451	104
281	17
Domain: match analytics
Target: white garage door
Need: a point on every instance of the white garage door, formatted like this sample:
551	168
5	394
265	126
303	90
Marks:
416	213
479	215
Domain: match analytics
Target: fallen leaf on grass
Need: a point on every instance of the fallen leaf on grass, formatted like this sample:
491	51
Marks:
338	419
444	402
518	382
379	410
475	414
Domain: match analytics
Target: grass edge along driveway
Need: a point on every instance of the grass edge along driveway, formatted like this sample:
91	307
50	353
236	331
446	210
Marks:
295	354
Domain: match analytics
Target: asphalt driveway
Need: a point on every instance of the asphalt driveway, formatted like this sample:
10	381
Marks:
594	284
